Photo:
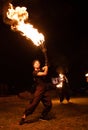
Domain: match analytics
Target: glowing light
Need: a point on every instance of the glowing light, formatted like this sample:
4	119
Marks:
61	77
19	18
59	85
86	75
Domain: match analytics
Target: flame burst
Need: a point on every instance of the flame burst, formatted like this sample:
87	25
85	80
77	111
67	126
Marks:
19	18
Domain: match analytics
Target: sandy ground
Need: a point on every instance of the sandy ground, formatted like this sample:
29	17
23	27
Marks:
65	116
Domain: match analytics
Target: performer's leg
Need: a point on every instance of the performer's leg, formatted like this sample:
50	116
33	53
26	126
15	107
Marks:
31	107
67	92
46	100
61	95
67	95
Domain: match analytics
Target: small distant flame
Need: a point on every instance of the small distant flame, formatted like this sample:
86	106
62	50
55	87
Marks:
86	74
19	18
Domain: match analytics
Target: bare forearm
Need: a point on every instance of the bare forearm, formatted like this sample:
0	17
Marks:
45	71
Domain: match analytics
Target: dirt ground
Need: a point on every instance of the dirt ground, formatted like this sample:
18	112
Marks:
65	116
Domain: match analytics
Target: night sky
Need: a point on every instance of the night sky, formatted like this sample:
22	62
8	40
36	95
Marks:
64	25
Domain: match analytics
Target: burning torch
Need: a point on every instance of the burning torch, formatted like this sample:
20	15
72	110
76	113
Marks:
44	50
19	16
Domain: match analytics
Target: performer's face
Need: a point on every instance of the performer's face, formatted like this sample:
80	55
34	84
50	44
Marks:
36	65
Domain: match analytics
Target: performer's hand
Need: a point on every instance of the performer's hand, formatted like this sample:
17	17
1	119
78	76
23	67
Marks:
44	50
45	71
45	67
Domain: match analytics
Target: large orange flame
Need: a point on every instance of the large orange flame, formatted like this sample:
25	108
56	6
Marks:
19	18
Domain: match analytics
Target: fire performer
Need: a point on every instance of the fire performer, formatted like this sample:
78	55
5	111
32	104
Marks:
41	92
19	22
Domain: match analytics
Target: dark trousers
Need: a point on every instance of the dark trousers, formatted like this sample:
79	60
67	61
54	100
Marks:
41	94
64	92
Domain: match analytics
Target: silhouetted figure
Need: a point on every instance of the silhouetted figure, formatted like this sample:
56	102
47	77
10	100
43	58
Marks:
64	89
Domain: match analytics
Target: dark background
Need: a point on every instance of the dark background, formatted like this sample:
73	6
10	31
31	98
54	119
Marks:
64	25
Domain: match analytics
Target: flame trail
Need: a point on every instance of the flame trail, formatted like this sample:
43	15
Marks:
18	17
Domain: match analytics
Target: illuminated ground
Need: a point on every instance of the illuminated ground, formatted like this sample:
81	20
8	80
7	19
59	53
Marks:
66	116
